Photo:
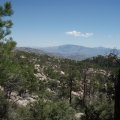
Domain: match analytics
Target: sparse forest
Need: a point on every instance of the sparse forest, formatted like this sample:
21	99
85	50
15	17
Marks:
41	87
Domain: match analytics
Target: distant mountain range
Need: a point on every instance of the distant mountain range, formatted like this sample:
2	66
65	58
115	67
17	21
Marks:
74	52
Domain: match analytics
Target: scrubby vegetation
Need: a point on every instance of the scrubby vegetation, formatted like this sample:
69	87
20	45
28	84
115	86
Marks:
40	87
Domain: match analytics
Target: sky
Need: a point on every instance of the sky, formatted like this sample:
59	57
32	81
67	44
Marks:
43	23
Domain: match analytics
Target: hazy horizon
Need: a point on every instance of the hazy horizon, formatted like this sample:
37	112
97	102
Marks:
37	46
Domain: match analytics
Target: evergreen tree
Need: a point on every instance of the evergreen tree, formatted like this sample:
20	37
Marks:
6	47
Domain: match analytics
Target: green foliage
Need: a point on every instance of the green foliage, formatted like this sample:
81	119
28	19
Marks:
52	111
4	106
99	111
5	25
7	45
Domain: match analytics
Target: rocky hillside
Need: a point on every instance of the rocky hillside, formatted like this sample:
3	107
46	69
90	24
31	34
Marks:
53	79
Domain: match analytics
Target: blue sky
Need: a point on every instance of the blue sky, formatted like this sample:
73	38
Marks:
92	23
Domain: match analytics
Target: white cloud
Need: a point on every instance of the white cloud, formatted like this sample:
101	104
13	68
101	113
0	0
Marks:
79	34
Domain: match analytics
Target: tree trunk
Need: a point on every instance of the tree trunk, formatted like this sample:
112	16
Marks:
70	85
84	89
117	98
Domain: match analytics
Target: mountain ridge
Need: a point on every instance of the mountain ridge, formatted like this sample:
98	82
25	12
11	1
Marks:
77	52
74	52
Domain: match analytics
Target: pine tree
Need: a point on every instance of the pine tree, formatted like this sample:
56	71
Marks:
6	43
